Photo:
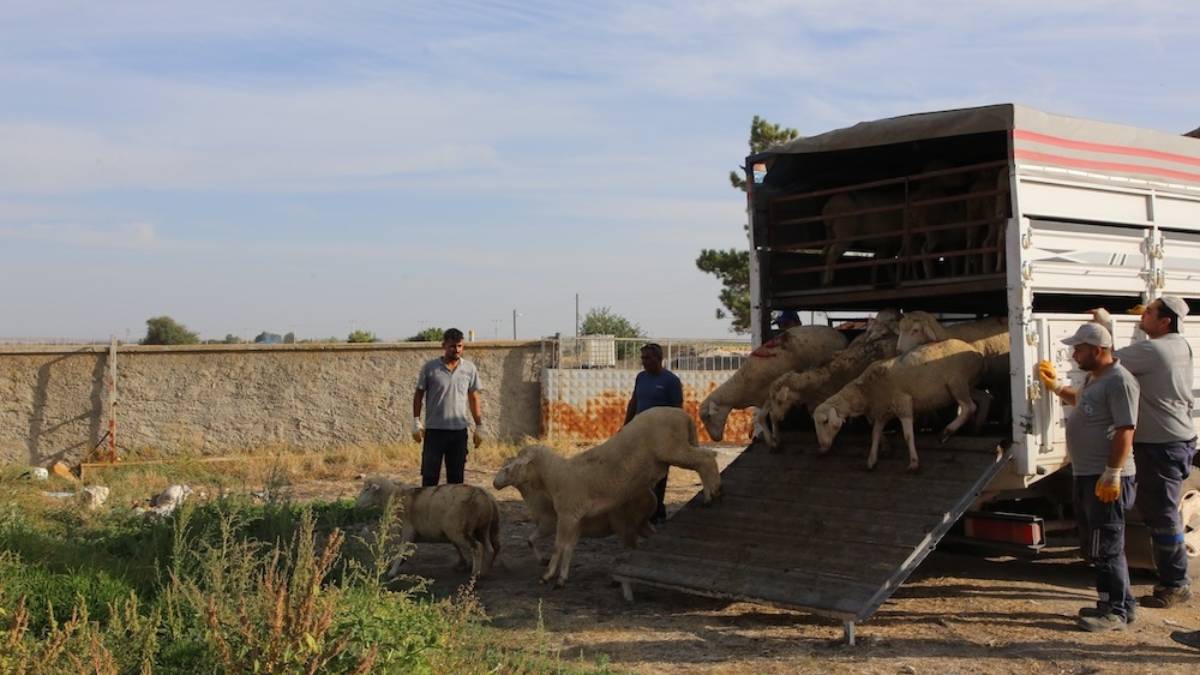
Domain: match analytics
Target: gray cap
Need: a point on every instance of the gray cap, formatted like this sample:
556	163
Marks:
1175	304
1090	333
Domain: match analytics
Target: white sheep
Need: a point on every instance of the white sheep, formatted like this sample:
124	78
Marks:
463	515
810	387
797	348
614	473
924	379
627	521
989	336
862	219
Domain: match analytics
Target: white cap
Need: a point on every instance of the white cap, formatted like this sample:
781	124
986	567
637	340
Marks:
1175	304
1090	333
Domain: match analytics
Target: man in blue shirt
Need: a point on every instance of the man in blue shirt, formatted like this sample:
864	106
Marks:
655	386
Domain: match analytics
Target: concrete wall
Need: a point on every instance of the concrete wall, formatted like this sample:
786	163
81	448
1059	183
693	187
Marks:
219	399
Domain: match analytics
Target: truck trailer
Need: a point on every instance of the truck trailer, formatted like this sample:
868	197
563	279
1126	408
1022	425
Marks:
994	211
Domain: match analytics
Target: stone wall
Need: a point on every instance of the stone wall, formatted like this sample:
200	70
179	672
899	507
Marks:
226	399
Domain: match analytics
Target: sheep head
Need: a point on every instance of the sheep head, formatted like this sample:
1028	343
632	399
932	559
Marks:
783	396
918	328
714	416
884	324
828	422
375	492
517	470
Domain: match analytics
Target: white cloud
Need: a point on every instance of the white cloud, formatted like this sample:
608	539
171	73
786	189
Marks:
140	236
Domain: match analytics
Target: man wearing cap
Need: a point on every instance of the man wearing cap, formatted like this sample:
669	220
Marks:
788	318
1100	444
1165	441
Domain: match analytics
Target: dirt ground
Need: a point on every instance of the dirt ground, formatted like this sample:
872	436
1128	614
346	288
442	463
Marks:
959	613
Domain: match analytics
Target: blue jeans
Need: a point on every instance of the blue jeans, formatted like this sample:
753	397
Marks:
1102	529
439	445
1161	470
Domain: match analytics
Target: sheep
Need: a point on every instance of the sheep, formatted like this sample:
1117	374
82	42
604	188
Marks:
614	473
926	378
628	521
992	208
797	348
858	218
808	388
463	515
930	208
989	336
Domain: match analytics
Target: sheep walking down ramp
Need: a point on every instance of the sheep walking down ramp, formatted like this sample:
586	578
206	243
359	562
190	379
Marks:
614	473
796	349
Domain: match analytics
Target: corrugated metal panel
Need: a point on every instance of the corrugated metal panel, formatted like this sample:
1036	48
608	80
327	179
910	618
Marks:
589	405
814	532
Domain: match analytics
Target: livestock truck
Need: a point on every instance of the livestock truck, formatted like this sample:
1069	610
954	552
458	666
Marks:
993	211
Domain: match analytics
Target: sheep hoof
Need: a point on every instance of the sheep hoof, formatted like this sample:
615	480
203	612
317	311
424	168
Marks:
560	584
870	466
914	468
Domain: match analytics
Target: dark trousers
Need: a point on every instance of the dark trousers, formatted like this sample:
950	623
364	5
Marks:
439	445
1161	470
660	491
1102	529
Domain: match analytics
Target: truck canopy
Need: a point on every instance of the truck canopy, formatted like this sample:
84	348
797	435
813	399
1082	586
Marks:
1038	139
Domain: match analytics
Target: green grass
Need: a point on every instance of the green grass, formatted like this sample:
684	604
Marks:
230	586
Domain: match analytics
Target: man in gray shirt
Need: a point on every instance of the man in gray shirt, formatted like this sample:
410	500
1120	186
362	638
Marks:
1100	444
1165	441
447	384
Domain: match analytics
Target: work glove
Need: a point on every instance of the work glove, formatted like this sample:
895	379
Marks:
1101	316
1047	375
1136	310
1108	488
480	435
418	431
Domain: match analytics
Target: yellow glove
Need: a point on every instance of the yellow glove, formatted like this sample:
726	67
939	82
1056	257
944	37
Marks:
1136	310
1108	488
1048	376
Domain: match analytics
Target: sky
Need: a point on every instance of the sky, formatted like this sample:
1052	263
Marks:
320	167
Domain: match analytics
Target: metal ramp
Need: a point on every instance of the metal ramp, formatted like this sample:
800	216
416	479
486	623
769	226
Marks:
814	532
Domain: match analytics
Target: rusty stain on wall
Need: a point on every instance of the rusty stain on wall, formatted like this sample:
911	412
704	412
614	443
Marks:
600	416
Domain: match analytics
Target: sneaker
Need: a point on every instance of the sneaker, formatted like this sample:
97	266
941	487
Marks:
1166	597
1102	624
1189	638
1094	612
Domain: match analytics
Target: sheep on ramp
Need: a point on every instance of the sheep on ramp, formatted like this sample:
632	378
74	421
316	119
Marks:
811	387
797	348
462	515
925	379
614	473
627	521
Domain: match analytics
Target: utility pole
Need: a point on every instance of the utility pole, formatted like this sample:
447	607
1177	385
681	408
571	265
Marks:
514	324
576	316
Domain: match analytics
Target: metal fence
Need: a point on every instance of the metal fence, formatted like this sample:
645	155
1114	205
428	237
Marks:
606	351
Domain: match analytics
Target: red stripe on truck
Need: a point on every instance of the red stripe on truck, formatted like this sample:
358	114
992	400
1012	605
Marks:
1035	137
1122	167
